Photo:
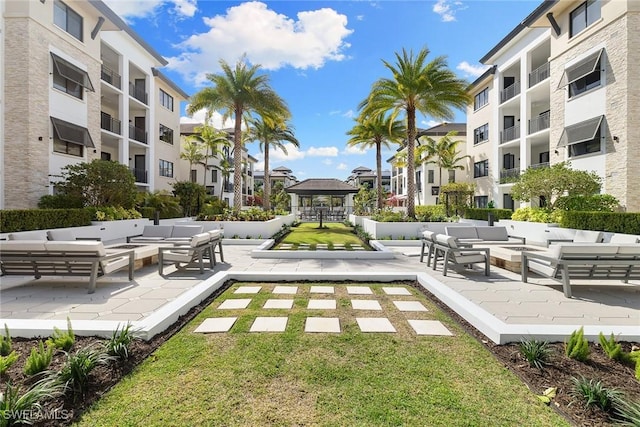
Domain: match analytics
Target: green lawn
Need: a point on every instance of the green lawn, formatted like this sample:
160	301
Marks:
295	378
331	234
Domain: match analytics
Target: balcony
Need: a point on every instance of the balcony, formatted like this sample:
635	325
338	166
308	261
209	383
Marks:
140	175
539	74
110	76
543	121
138	93
539	165
508	176
509	92
109	123
250	173
509	134
137	134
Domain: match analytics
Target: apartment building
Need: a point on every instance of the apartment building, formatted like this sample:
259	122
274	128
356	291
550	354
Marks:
429	176
563	86
69	100
281	174
362	175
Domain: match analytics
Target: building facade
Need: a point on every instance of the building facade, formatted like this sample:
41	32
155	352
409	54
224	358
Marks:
562	88
364	176
84	91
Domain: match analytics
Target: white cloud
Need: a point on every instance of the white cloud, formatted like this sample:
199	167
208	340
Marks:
447	9
323	151
216	119
342	167
327	162
430	123
272	40
131	9
349	114
259	166
350	149
293	153
471	70
360	18
300	173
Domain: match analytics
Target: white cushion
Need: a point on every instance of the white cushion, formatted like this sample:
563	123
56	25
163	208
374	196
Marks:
157	231
629	249
21	245
199	239
61	234
623	238
177	255
462	232
492	233
588	249
29	235
142	239
443	239
76	246
114	264
215	234
588	236
182	231
470	258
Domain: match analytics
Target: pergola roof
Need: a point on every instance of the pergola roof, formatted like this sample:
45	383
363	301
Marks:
321	186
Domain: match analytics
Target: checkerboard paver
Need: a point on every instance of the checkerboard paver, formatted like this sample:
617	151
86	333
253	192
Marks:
279	303
429	327
395	290
365	304
409	306
248	290
269	324
322	304
322	290
285	290
216	324
322	324
233	304
375	324
359	290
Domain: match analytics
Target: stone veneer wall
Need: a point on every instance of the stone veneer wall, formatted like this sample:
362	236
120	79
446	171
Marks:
27	88
621	38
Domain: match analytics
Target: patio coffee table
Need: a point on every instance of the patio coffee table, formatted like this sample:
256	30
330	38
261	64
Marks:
510	257
144	253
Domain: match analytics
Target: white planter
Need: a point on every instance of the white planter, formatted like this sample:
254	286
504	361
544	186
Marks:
357	219
536	233
393	230
246	229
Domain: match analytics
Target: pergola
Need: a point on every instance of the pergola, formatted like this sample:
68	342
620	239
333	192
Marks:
314	195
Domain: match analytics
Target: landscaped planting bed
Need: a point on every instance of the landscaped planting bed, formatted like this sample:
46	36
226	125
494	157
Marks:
310	236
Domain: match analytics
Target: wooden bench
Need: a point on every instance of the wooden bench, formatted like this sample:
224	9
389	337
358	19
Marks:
597	261
57	258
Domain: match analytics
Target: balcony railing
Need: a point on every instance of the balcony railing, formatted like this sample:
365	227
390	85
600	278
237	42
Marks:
138	93
250	173
509	92
137	134
140	175
110	76
109	123
509	175
539	165
509	134
539	74
543	121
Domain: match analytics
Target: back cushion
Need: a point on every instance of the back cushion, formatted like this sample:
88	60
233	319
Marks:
428	234
199	239
29	235
76	246
587	249
157	231
588	236
462	232
61	234
623	238
492	233
214	234
446	240
186	230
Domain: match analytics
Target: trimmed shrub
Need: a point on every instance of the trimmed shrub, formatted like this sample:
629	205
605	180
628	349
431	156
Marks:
433	213
615	222
41	219
483	214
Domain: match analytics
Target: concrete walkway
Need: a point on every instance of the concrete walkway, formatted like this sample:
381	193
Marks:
501	306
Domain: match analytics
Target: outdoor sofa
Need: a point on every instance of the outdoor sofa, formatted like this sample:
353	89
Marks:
53	258
485	235
166	233
585	261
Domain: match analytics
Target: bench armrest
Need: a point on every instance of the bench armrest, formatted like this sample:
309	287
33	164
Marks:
120	253
550	241
523	239
131	237
536	255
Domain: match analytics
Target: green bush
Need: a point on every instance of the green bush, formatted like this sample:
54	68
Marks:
612	348
253	214
214	207
162	201
593	393
5	342
615	222
535	215
387	215
62	340
118	344
536	352
593	202
7	361
483	214
115	213
433	213
41	219
60	201
23	409
75	372
578	346
39	359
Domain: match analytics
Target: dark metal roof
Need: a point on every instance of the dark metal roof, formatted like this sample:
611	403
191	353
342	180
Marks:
443	129
189	128
283	169
321	186
167	80
537	13
361	169
490	71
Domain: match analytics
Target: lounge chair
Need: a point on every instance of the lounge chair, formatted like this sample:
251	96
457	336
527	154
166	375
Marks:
452	253
186	256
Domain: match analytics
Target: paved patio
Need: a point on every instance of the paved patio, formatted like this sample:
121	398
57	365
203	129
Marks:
501	306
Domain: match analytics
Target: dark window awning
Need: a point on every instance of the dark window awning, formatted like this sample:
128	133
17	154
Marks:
583	68
71	72
69	132
580	132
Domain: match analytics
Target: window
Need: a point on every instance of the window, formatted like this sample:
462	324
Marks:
480	201
166	100
583	16
69	138
430	176
452	175
481	99
583	138
481	134
586	83
584	75
481	169
166	168
68	78
214	175
65	18
194	175
166	134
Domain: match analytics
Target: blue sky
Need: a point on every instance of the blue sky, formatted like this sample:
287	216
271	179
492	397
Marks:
321	56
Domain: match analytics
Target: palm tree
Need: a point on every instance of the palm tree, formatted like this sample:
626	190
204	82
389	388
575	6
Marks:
269	133
442	153
377	130
225	168
212	140
239	92
430	88
192	152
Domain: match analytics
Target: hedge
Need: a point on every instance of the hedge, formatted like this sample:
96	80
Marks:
483	213
614	222
41	219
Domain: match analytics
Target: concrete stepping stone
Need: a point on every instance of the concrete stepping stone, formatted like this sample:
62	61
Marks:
321	304
375	324
396	290
288	290
409	306
365	304
322	247
269	324
359	290
279	303
322	324
248	290
322	290
338	246
429	327
216	324
234	304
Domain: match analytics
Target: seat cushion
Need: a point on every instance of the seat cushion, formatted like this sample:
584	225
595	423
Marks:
21	245
76	246
469	258
181	231
462	232
177	255
492	233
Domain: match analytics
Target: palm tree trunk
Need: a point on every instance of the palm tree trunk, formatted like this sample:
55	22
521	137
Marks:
411	173
266	188
237	160
379	171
